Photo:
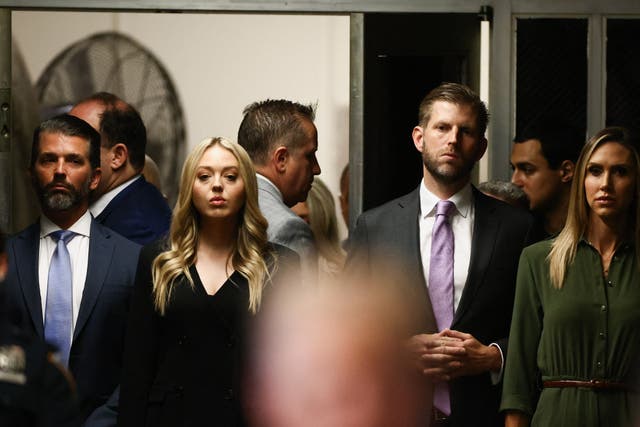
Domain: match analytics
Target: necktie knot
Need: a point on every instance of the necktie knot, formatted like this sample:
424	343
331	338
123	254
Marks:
445	207
64	235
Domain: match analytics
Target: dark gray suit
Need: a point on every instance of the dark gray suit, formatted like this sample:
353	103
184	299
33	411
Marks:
500	233
95	358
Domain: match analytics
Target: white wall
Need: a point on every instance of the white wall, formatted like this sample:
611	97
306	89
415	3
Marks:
222	62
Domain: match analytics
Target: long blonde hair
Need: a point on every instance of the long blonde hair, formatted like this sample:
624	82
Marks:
324	223
251	252
564	247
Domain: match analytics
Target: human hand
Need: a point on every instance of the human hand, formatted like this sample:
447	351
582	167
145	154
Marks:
436	355
476	357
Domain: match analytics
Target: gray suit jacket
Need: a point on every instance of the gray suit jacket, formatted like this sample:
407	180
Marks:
500	233
285	227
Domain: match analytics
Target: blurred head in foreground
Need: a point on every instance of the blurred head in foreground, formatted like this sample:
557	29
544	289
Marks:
334	356
506	191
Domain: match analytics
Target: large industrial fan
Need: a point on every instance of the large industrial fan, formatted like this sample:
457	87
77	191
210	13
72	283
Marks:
115	63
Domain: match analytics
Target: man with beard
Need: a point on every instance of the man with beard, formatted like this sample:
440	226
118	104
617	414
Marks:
69	277
460	249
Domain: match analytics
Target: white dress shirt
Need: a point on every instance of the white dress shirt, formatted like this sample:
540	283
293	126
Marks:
462	225
78	249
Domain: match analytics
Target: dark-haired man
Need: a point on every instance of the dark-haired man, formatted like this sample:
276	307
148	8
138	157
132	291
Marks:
124	201
543	159
69	277
460	250
36	391
282	141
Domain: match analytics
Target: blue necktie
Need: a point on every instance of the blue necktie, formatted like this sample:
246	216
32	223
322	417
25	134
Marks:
441	285
58	319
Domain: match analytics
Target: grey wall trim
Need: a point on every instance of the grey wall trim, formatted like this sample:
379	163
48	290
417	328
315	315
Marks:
596	76
313	6
573	7
335	6
356	117
500	95
6	193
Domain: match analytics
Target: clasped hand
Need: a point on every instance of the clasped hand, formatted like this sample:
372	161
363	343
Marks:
450	354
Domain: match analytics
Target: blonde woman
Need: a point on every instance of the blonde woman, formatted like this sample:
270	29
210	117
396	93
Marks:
319	211
575	333
194	293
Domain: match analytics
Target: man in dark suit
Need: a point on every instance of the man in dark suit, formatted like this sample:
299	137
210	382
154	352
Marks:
69	277
124	201
36	391
461	339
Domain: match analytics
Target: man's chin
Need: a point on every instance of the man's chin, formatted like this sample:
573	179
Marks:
58	202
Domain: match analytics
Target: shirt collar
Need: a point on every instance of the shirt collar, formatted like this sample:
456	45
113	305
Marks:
82	226
99	205
625	245
462	200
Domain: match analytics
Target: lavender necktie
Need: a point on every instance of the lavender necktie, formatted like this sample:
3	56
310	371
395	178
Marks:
58	312
441	285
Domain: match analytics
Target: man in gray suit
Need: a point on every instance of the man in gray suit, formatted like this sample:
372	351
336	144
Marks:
282	141
462	325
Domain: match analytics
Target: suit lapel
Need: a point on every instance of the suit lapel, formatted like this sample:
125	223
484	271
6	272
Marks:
485	229
27	248
408	231
100	254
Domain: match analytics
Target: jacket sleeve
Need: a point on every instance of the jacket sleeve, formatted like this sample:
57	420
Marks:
141	346
520	391
358	246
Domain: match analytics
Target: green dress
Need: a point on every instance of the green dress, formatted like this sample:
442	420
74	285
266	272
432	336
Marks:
589	329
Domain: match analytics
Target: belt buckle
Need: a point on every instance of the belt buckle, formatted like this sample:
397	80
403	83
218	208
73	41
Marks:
438	415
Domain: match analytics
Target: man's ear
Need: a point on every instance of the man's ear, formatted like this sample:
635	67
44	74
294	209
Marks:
118	156
96	174
567	168
482	148
418	138
280	158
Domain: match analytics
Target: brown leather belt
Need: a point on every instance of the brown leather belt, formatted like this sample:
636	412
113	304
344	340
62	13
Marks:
594	384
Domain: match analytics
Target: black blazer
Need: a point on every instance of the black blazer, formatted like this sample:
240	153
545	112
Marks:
500	233
184	368
139	212
95	359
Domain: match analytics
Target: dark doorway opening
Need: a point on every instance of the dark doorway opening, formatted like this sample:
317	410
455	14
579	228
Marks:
407	55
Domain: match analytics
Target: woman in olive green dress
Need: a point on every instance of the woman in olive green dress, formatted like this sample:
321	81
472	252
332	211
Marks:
575	333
